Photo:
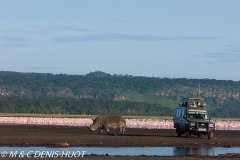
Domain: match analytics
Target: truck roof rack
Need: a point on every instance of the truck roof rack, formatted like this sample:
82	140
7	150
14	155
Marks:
193	99
193	102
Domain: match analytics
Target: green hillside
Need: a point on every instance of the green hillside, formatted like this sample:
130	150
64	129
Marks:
102	93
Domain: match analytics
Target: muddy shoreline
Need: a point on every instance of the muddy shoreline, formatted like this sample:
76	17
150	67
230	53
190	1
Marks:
32	135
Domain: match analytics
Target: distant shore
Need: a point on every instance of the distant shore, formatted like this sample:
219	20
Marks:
131	123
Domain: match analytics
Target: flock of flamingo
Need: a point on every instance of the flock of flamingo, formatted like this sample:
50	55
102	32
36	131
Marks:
131	123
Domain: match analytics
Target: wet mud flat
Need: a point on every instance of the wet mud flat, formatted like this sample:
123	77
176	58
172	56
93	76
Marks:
26	135
106	157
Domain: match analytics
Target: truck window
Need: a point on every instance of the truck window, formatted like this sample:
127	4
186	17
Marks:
183	113
176	113
179	113
197	115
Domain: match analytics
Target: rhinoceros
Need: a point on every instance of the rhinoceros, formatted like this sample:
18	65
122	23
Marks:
107	122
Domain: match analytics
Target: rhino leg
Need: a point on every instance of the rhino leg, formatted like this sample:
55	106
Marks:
122	130
107	129
101	130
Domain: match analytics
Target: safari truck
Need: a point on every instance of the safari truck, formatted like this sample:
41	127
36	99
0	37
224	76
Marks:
191	118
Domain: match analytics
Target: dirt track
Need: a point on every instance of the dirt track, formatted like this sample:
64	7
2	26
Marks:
81	136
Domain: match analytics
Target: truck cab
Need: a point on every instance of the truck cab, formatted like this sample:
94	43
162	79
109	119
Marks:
191	118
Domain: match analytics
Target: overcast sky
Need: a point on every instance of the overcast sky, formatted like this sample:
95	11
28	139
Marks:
156	38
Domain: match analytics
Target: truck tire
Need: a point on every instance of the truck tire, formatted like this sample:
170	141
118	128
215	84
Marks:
178	132
210	135
187	132
199	135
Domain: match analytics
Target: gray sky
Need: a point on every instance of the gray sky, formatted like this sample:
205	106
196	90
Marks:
168	38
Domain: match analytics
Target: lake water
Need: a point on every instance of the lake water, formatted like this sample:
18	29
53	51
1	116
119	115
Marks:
123	151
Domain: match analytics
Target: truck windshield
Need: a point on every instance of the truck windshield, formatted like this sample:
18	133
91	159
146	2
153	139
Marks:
197	115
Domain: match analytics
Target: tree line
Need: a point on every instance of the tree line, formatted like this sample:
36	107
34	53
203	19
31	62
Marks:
66	105
27	92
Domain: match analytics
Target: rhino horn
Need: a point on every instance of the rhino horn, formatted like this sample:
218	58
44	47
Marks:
89	127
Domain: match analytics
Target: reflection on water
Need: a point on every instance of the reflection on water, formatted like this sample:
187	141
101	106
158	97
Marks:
189	151
123	151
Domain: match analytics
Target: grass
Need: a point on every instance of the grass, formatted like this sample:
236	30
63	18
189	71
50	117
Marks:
148	117
45	115
91	116
73	116
226	119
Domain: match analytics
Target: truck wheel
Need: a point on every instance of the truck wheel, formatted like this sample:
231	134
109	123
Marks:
210	135
187	133
199	135
178	132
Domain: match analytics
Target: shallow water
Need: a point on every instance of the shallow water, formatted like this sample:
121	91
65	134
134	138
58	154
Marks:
123	151
131	123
